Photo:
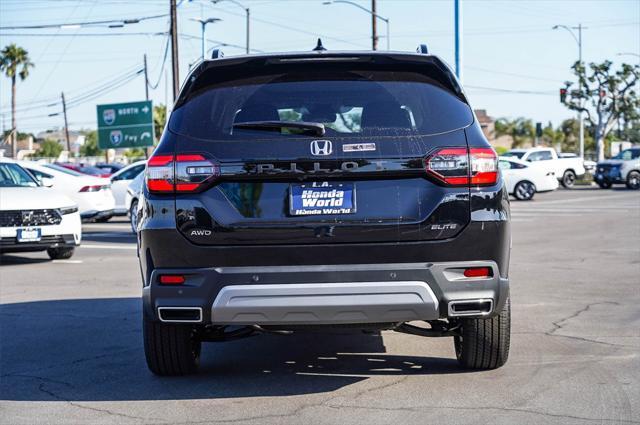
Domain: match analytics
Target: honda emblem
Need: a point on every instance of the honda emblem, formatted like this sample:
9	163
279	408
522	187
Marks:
321	147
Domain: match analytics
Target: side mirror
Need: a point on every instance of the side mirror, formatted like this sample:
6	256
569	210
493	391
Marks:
47	182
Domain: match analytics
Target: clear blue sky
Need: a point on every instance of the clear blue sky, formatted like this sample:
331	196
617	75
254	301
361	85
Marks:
508	45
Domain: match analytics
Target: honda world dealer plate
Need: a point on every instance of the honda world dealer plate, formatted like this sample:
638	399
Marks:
318	198
29	234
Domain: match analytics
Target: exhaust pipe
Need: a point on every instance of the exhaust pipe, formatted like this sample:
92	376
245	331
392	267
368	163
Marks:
479	307
180	314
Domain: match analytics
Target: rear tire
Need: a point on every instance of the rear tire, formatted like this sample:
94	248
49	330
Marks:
568	179
60	253
133	216
524	191
484	343
170	349
633	180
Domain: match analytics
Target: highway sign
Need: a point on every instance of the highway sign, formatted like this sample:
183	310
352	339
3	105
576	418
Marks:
125	125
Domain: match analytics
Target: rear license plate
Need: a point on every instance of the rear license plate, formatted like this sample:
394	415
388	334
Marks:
29	234
322	198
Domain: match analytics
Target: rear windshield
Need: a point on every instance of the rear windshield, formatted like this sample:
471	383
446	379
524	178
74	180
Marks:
348	103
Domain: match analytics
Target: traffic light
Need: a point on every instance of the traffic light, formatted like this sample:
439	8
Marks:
563	95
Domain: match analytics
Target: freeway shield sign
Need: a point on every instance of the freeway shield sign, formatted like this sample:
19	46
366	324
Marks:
125	125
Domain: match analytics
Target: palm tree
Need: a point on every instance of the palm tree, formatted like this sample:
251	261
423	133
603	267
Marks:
13	57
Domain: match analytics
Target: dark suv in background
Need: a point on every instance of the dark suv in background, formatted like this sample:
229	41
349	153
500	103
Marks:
298	191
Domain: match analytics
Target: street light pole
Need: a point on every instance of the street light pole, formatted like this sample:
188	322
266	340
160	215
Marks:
374	15
174	50
457	15
578	40
203	24
248	15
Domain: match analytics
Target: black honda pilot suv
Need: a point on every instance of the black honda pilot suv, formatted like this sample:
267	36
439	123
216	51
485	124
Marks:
302	191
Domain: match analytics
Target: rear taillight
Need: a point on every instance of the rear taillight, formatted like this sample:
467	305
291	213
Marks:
180	173
484	166
462	166
95	188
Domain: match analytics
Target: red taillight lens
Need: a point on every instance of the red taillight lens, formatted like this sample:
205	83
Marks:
450	166
484	166
462	166
478	272
180	173
172	279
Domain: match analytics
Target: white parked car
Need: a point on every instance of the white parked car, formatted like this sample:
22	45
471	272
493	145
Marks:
120	182
565	169
34	217
523	179
92	194
131	200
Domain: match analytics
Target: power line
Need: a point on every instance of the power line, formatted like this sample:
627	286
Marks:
503	90
88	23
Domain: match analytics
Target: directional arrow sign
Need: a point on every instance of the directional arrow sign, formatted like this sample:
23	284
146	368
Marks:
125	125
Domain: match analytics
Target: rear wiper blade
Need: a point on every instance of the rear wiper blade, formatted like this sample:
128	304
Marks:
314	128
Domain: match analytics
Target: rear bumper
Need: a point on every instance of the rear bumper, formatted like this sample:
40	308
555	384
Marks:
327	294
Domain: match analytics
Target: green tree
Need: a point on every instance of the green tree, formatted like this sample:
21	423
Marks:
159	119
521	130
90	147
14	62
49	149
552	137
604	95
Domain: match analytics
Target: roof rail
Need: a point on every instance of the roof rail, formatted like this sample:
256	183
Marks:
422	49
217	54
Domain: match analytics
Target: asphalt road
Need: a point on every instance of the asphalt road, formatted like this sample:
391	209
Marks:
71	344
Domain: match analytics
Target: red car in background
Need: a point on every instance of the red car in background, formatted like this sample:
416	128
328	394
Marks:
85	169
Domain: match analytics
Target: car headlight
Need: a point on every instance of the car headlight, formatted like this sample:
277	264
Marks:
68	210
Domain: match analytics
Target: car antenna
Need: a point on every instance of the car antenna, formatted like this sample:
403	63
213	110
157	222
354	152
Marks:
319	47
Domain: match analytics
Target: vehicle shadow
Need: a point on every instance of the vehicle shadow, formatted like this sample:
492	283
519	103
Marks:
91	350
18	259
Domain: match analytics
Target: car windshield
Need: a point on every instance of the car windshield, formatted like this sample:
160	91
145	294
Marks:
628	154
518	155
353	103
64	170
12	175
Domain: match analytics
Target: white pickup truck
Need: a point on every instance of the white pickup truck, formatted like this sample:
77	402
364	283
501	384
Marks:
566	170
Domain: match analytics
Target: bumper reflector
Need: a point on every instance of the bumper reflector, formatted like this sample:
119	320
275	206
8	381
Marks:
171	279
478	272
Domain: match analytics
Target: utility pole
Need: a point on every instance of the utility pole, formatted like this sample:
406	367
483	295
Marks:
146	79
581	115
374	29
248	23
66	124
174	50
458	37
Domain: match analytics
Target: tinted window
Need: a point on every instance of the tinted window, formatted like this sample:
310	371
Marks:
12	175
540	156
628	154
131	173
39	174
518	155
348	103
64	170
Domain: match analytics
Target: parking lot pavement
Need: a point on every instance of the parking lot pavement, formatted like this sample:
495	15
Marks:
71	346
